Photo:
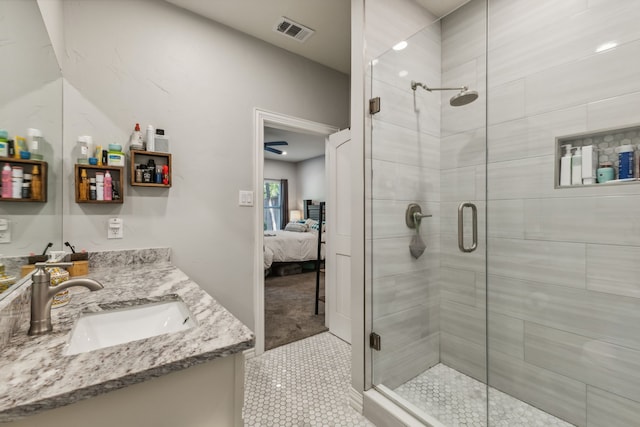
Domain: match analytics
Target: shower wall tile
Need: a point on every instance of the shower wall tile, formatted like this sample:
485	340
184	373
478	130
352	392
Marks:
463	34
399	365
605	75
458	285
463	149
471	116
603	220
518	19
604	317
604	365
452	257
407	108
463	356
614	269
391	257
555	263
506	219
459	184
605	409
507	102
463	321
558	395
393	294
506	335
522	178
619	111
395	181
401	145
533	136
389	219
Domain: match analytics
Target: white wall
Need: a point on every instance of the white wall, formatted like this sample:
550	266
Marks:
200	81
274	169
312	180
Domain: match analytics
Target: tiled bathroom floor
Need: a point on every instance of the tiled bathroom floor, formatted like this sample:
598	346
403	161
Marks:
458	400
305	383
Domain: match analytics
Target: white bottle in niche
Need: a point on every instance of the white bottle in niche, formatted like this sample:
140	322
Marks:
565	166
589	163
576	167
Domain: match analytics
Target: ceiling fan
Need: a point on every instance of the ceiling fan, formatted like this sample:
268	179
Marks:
268	146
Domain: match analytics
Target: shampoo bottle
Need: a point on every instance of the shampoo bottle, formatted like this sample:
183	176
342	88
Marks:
108	189
565	166
151	134
576	167
135	140
7	189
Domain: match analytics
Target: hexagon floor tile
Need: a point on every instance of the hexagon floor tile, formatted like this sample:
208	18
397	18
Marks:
455	399
305	383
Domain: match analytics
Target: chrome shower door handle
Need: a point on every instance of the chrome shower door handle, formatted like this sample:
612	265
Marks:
474	223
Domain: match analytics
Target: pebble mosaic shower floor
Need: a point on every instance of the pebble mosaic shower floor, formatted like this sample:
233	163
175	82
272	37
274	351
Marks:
305	383
456	400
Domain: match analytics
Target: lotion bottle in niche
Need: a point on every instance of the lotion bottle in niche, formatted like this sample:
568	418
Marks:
576	167
565	166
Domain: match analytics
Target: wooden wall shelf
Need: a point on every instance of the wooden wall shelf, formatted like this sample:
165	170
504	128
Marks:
28	168
117	175
139	157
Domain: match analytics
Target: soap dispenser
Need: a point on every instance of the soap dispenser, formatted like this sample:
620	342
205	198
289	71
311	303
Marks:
565	166
576	167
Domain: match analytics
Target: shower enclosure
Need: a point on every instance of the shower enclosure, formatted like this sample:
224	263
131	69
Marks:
524	308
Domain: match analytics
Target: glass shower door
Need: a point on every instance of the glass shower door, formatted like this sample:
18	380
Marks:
427	156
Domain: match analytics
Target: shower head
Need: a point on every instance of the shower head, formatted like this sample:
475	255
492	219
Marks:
465	96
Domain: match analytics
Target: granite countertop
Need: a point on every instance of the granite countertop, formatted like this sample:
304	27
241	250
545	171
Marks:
35	375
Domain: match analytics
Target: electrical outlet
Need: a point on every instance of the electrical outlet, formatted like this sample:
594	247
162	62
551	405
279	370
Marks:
115	228
5	232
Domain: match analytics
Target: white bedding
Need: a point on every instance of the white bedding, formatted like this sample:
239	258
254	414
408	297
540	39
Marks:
290	246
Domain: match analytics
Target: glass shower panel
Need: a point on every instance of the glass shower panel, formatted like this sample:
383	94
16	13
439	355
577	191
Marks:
428	282
563	270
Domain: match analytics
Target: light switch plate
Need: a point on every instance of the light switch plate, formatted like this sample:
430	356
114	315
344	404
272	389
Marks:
115	228
245	198
5	231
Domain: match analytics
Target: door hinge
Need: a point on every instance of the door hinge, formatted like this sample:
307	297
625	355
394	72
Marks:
374	341
374	105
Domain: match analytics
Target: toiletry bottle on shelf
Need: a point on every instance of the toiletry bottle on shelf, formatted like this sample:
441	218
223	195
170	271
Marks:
151	145
576	167
33	141
135	140
98	155
7	189
36	183
108	189
165	174
99	185
17	178
625	162
83	190
589	159
565	166
83	149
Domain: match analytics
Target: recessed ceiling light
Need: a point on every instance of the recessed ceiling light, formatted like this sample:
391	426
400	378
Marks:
606	46
400	45
284	153
403	73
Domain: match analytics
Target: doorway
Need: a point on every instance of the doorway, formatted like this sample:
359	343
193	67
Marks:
274	127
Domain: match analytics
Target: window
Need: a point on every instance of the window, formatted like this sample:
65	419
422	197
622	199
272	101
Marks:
272	195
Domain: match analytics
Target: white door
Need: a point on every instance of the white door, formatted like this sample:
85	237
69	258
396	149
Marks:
338	255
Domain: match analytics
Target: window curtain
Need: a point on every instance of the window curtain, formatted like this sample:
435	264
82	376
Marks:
284	188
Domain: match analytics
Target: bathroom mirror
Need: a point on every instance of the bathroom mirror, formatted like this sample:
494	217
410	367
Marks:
30	97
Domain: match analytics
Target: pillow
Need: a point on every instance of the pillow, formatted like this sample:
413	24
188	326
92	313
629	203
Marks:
297	227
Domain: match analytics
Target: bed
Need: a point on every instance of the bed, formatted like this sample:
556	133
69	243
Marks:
282	246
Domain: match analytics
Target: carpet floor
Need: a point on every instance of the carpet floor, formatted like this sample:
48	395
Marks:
289	308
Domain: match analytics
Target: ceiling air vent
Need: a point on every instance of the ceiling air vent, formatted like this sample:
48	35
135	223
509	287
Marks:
289	28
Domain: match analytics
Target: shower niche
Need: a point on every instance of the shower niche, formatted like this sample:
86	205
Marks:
605	157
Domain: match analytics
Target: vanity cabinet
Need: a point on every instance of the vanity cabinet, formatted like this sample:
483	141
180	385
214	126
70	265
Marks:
142	157
28	167
116	172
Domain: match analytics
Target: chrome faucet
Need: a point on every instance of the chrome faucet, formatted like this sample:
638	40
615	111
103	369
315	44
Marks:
42	294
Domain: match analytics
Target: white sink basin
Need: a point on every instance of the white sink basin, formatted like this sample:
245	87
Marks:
105	329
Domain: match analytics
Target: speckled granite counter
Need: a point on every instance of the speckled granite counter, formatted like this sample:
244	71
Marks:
36	376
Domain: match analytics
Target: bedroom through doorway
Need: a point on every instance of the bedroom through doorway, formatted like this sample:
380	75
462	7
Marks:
294	194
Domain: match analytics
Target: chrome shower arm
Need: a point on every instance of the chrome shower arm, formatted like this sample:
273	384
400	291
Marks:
415	85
